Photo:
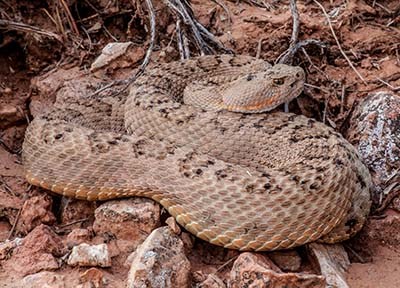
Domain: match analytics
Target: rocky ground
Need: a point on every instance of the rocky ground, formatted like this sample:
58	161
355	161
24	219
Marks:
47	45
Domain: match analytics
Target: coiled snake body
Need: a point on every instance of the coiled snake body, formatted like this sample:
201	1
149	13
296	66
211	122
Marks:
183	137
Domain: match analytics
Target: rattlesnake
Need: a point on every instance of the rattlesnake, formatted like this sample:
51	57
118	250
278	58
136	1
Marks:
247	181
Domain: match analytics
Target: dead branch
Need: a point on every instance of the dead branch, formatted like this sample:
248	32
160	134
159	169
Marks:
287	56
203	39
182	41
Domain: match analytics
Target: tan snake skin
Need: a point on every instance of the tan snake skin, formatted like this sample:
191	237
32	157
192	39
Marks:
259	181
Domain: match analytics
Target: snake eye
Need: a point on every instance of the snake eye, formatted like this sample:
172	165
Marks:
278	81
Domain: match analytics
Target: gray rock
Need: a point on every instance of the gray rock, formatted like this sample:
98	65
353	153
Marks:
159	261
287	260
332	261
375	131
254	270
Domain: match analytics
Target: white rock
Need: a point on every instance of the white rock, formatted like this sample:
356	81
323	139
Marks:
109	53
90	255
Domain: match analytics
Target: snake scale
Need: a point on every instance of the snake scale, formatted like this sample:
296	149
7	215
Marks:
193	136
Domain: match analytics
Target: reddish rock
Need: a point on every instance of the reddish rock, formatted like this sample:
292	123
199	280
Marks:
253	270
43	239
37	253
36	211
375	131
90	255
45	279
188	241
384	231
159	261
9	114
12	138
78	236
93	278
47	86
287	260
76	211
128	219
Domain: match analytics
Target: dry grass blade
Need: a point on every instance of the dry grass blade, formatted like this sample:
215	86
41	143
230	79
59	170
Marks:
71	20
393	88
11	25
338	43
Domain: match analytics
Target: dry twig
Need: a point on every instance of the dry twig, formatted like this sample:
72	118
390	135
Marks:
312	63
392	192
220	268
11	25
183	46
70	19
287	56
203	39
338	43
394	89
14	224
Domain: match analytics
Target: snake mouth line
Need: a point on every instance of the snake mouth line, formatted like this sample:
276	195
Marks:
269	103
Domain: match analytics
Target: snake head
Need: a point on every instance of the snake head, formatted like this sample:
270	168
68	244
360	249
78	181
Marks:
265	90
